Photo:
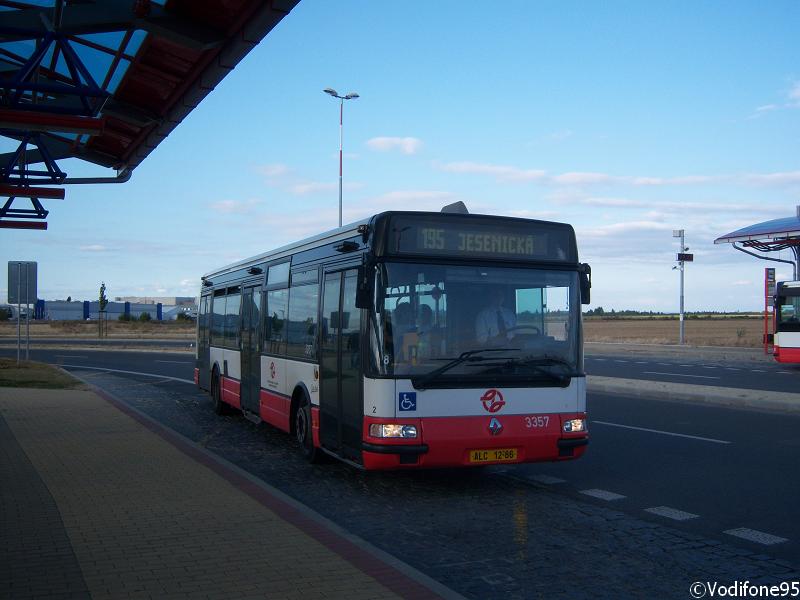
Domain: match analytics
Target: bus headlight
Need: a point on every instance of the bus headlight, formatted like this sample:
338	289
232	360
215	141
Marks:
574	425
392	430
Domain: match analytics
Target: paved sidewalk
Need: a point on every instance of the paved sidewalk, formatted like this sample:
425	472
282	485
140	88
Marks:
98	501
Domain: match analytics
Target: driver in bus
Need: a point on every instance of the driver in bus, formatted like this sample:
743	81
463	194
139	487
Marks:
493	323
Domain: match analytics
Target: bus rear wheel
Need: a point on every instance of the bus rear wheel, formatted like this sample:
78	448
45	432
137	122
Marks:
216	394
304	433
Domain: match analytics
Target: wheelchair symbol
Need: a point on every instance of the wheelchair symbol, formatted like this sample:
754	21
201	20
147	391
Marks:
408	401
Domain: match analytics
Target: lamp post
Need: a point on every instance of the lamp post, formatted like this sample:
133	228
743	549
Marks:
679	233
350	96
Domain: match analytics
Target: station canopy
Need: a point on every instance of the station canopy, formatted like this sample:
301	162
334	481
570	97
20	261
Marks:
105	81
766	237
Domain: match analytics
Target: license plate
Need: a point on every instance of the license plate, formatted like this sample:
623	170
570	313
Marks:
492	455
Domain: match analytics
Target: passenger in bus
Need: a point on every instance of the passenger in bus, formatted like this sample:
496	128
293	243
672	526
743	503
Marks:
429	335
404	332
493	323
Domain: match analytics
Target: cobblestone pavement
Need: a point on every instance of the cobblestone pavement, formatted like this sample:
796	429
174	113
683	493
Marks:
480	532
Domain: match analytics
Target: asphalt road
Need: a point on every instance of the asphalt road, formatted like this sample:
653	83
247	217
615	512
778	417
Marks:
767	375
714	471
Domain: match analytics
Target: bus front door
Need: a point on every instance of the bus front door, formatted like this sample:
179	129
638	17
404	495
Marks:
341	402
251	360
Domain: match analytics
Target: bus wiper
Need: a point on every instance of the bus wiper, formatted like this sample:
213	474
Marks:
539	364
469	356
546	360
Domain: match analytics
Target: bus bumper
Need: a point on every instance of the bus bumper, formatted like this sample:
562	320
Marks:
786	354
468	441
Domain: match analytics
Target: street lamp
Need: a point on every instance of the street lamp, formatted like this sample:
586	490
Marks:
350	96
679	233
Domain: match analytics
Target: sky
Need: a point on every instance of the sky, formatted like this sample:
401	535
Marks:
625	119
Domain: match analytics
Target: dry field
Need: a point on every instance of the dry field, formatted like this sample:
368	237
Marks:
743	332
116	329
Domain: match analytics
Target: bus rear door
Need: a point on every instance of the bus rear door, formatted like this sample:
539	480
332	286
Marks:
251	359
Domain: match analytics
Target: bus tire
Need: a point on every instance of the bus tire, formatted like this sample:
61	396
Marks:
216	394
303	432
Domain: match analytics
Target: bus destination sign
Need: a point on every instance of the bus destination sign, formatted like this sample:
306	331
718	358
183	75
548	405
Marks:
487	238
470	242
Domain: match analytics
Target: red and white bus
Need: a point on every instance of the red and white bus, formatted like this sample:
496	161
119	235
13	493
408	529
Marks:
407	340
786	348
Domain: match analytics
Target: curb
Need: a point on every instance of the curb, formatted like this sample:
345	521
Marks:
687	393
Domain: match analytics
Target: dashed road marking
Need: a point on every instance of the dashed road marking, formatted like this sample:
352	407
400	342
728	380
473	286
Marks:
784	372
680	375
174	362
757	371
682	435
622	361
671	513
602	494
71	356
731	369
642	362
547	479
759	537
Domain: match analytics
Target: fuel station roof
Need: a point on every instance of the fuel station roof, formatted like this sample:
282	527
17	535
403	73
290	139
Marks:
768	231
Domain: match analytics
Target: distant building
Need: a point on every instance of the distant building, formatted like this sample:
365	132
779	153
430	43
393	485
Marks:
165	300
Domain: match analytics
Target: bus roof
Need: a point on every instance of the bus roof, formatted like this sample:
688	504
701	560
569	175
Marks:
348	231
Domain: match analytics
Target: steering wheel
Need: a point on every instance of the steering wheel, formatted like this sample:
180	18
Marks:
530	328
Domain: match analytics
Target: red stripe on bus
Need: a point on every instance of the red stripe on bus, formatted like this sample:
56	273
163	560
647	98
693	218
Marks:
787	355
315	425
230	392
275	409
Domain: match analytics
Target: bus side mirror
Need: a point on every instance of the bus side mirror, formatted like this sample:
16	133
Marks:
363	289
585	273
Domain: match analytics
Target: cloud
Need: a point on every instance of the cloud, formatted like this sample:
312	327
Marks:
311	187
560	136
780	179
500	172
235	207
272	171
304	188
794	95
792	101
582	178
94	248
406	145
569	178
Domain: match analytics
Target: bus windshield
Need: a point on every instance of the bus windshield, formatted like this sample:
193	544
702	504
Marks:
788	313
445	324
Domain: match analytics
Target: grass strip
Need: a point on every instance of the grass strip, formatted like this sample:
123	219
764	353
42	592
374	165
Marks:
30	374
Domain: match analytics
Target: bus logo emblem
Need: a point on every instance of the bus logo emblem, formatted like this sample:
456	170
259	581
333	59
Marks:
493	400
495	426
272	370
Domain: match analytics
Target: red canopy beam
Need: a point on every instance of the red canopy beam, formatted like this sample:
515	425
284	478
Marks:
31	192
36	121
23	224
